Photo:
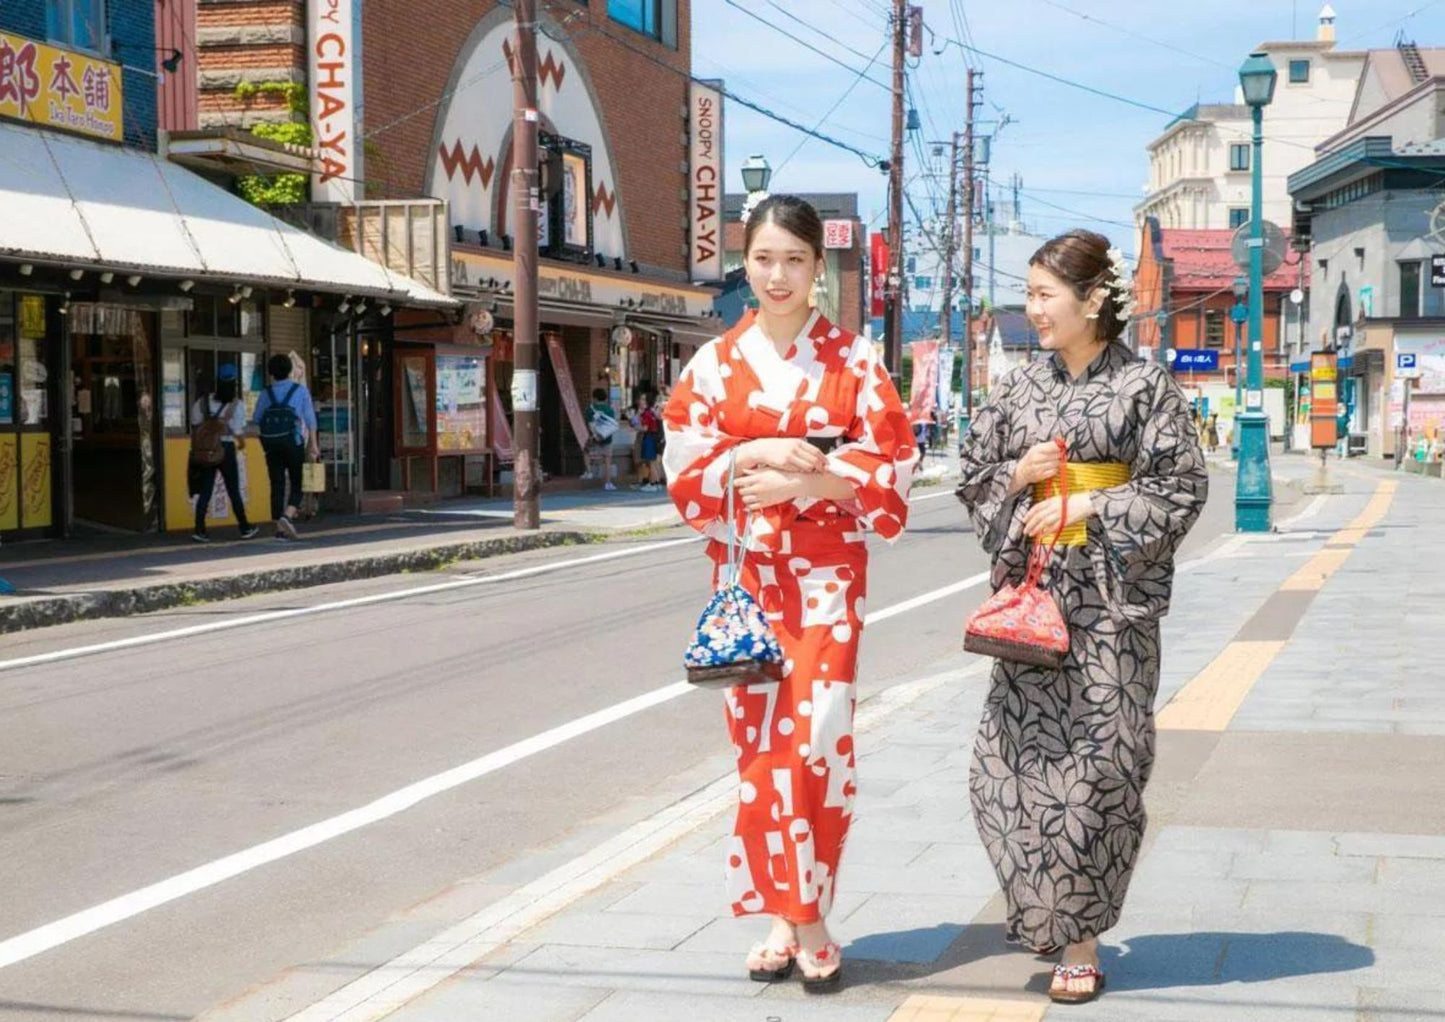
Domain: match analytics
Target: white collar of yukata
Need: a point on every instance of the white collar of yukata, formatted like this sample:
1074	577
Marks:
1113	356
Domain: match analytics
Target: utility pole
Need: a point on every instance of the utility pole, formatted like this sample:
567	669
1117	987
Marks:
893	293
948	245
527	484
968	203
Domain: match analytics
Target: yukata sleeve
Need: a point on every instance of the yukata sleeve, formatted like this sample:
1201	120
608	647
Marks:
697	453
987	465
880	455
1139	525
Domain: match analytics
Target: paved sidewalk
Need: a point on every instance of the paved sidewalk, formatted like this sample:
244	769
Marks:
1294	868
111	576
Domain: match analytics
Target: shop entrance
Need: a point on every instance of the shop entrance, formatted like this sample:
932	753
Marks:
114	470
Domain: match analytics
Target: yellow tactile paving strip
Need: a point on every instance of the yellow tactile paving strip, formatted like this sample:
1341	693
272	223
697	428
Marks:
1212	698
923	1008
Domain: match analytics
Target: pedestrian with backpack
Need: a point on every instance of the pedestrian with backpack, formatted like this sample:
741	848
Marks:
286	420
217	421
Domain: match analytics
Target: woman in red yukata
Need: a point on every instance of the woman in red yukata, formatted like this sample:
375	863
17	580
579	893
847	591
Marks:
802	417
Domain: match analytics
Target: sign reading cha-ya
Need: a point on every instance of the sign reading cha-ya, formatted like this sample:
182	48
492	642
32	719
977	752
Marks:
57	88
331	38
471	159
705	180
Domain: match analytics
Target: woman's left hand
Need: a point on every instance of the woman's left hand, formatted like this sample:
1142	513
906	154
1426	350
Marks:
1042	519
768	486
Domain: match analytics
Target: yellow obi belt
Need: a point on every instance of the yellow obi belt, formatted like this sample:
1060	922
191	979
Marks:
1083	478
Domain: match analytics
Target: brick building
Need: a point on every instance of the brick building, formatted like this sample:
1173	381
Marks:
1190	274
618	308
130	274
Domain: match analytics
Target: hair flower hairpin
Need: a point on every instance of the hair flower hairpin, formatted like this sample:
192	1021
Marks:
1121	284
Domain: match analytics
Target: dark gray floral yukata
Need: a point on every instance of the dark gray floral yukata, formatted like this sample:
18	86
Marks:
1062	756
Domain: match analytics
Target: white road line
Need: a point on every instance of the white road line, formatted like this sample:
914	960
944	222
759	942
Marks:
1309	511
362	601
325	608
51	935
406	977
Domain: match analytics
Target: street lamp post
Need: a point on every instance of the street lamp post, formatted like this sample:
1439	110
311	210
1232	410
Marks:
1240	315
756	176
1161	320
1253	494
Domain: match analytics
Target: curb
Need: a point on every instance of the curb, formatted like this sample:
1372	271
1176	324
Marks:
46	612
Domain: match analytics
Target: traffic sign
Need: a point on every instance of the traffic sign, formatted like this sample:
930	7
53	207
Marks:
1406	360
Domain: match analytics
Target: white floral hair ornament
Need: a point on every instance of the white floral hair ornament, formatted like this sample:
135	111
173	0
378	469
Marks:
1121	285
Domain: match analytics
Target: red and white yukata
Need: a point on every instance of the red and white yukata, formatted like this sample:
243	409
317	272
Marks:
807	565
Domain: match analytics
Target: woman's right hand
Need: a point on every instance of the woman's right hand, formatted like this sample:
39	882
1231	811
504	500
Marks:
786	454
1039	463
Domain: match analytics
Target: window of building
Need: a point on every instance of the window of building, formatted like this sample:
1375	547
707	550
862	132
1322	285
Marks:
1299	72
656	18
1239	156
1238	216
1410	290
1213	328
77	23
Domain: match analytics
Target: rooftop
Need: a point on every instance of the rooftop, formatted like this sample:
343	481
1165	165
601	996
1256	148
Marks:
1202	261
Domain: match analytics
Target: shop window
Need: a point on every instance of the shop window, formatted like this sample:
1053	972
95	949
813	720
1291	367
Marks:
1410	290
655	18
76	23
33	384
1299	72
564	228
1238	217
1239	156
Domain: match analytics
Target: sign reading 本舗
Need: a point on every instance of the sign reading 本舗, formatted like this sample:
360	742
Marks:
58	88
705	182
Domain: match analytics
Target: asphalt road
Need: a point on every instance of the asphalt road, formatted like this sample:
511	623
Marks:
125	768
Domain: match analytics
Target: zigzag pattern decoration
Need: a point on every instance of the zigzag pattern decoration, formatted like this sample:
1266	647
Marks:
603	199
470	163
547	67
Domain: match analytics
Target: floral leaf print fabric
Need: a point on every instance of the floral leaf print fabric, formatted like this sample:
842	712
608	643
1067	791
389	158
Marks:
807	569
1062	757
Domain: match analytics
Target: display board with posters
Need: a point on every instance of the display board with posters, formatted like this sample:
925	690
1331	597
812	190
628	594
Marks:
461	403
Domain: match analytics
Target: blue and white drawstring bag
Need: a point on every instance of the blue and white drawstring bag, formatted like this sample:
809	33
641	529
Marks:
733	644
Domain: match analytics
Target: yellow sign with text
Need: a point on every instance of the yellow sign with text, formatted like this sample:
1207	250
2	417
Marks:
9	483
34	480
57	88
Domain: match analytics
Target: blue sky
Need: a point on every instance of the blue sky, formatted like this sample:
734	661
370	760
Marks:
1073	149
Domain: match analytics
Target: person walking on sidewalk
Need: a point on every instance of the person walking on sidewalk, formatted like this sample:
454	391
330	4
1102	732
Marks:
602	430
217	421
1062	756
759	406
649	423
286	419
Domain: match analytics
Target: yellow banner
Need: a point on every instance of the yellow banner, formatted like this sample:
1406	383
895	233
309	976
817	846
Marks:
34	480
9	484
58	88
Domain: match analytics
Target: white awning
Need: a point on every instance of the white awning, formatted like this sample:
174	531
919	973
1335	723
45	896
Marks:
67	200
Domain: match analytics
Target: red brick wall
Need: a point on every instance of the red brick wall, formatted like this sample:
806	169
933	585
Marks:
408	61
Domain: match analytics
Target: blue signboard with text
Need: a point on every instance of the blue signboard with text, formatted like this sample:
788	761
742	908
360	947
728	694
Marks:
1195	360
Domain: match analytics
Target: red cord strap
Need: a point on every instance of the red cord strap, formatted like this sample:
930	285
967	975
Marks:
1039	556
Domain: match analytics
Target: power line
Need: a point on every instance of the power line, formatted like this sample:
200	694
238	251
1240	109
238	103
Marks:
1135	35
1391	24
846	93
804	43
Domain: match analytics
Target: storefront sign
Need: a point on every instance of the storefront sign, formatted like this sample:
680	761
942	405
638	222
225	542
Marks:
1324	404
1198	360
567	388
34	480
58	88
1437	271
877	273
705	182
332	53
838	234
471	271
9	483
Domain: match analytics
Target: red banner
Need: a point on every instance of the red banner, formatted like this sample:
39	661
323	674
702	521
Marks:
923	392
877	273
569	391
